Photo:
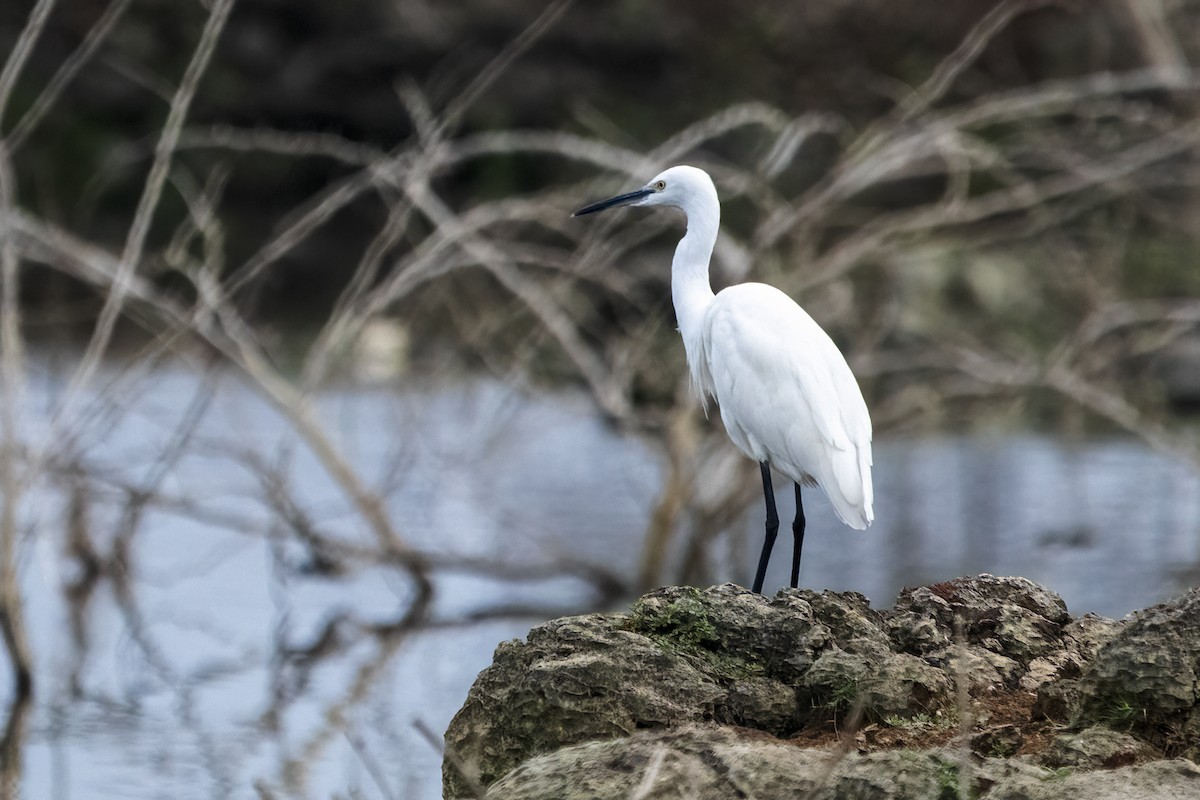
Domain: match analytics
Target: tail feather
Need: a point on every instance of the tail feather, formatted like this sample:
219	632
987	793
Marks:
849	487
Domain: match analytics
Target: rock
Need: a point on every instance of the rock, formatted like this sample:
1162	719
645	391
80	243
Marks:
1161	780
692	762
964	686
714	763
1146	678
1012	617
886	684
1087	634
1082	638
1056	699
1097	747
705	763
999	741
573	680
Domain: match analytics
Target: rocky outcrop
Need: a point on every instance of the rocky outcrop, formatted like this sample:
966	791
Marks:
1146	678
981	685
715	763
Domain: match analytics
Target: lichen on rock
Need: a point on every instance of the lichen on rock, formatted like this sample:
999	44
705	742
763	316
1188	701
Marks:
1146	678
971	685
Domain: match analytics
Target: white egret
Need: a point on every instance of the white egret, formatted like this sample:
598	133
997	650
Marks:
786	394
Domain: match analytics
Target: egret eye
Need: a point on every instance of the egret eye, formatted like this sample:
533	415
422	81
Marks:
660	185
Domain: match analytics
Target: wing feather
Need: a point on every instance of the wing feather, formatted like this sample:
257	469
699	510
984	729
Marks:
787	395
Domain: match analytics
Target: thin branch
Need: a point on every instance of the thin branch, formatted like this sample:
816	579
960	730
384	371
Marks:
20	53
467	772
967	52
66	72
135	242
292	144
373	767
534	297
12	616
487	77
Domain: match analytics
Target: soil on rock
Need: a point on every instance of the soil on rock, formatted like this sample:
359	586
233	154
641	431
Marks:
986	683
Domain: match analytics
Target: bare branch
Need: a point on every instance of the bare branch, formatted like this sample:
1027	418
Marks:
67	72
139	229
20	53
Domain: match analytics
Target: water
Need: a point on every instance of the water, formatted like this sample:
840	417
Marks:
183	691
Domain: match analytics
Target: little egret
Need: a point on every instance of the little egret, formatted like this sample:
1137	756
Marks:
787	396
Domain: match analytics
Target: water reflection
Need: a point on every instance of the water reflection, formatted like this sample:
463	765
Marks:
200	677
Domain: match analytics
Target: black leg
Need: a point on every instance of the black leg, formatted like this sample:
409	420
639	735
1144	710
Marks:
797	538
772	528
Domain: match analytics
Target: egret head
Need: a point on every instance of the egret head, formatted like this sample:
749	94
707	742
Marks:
683	187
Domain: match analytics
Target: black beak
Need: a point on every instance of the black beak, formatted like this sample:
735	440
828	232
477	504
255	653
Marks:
619	200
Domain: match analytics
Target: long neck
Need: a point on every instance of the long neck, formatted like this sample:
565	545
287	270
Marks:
690	289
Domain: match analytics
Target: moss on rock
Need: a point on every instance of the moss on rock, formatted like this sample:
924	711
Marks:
1146	678
716	692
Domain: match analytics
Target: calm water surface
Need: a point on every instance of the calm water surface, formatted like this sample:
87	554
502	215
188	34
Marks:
174	689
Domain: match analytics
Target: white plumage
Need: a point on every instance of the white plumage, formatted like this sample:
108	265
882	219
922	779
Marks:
786	394
797	408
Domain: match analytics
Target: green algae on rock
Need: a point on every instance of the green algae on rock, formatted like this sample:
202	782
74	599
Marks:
971	685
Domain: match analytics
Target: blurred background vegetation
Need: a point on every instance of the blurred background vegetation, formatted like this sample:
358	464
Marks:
343	79
991	206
